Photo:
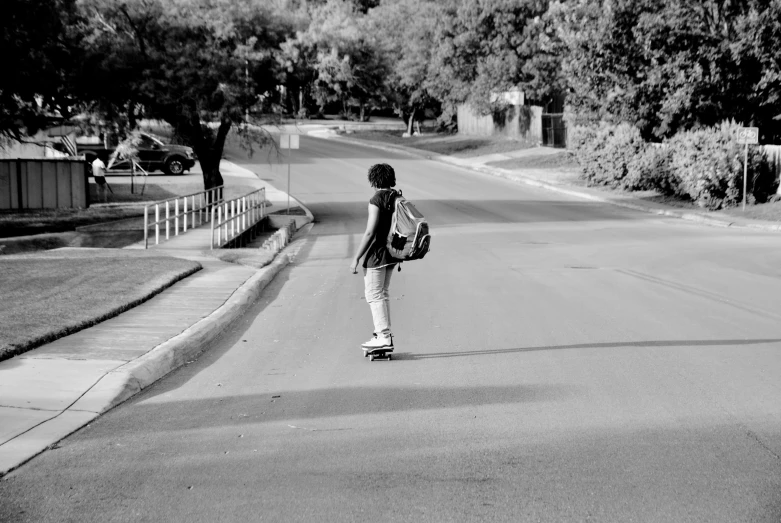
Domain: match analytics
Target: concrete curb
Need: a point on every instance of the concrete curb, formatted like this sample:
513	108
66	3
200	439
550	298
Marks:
130	379
124	382
528	180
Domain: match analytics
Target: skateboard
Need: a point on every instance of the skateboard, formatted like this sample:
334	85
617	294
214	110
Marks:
378	354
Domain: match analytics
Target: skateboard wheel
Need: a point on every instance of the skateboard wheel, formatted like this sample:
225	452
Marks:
389	357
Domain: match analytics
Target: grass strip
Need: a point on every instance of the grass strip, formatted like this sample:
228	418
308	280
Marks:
449	144
562	160
49	296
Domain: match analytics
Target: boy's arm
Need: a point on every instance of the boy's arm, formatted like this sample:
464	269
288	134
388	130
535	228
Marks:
368	236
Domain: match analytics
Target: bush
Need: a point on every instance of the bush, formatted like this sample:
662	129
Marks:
708	166
608	155
654	167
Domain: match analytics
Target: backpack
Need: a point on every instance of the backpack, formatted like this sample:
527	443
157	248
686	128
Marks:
408	238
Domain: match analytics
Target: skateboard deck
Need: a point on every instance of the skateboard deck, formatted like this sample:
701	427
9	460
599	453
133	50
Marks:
378	354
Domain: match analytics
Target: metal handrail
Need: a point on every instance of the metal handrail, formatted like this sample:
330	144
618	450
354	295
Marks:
235	217
200	202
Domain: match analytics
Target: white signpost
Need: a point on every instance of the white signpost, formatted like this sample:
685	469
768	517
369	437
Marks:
747	135
288	141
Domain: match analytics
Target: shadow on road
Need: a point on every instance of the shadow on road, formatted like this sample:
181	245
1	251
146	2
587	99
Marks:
617	345
286	405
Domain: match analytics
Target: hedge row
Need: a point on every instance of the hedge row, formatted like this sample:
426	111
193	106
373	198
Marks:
703	165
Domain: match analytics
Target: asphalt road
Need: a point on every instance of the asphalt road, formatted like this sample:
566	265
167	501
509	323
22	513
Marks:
556	360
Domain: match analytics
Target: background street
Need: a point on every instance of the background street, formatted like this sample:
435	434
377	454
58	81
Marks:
556	360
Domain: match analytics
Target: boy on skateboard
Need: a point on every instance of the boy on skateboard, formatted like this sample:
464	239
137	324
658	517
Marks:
378	264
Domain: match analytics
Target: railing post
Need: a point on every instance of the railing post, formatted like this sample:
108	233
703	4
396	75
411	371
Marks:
167	217
176	217
184	201
211	243
157	224
219	226
233	219
146	226
225	224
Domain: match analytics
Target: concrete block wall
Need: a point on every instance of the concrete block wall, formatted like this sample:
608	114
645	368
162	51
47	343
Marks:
281	237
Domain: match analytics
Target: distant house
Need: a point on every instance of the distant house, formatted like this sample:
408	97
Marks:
56	142
535	124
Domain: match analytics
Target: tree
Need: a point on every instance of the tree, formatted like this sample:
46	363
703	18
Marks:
38	49
344	57
405	33
760	32
197	64
489	46
669	65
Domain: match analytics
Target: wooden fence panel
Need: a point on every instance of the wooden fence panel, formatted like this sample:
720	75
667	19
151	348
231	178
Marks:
62	177
32	178
522	122
49	188
79	185
45	184
6	195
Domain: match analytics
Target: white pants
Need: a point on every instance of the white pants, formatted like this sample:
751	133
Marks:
376	283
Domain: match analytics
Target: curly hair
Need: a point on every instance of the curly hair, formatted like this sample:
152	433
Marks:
382	175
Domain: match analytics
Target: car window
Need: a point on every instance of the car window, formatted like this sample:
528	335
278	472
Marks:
151	140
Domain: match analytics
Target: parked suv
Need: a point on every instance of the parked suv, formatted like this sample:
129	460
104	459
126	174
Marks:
153	155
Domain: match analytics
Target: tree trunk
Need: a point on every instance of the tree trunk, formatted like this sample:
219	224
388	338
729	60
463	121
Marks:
210	165
208	149
131	115
411	121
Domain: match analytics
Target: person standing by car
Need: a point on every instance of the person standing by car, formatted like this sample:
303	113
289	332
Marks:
378	263
99	173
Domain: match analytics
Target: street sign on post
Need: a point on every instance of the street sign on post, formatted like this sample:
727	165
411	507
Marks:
288	141
747	135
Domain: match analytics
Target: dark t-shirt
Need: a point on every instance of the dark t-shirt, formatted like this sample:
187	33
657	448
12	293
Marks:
378	255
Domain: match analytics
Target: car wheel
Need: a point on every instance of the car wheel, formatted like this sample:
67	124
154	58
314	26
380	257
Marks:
174	167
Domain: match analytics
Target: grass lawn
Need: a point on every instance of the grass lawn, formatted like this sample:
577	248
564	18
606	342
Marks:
120	192
446	144
562	160
56	293
765	211
60	220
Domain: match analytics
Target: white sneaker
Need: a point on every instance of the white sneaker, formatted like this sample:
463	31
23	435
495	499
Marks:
379	343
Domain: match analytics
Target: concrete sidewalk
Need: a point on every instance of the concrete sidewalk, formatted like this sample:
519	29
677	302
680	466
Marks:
52	391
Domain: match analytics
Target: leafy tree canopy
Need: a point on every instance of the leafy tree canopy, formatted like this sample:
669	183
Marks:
666	65
406	30
38	50
487	46
344	57
188	62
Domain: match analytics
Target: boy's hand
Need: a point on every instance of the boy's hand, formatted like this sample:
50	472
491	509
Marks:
354	266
